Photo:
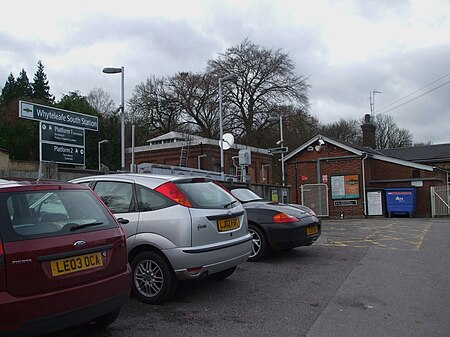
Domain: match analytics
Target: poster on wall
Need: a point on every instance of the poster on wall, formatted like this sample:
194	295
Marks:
345	187
374	203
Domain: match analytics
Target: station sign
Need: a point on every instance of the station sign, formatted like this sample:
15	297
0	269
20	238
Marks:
59	116
63	154
276	150
61	134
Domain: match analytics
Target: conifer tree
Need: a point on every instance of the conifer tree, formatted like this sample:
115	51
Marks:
41	89
9	91
24	88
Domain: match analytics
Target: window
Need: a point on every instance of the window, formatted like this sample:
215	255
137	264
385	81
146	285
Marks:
149	200
50	213
117	196
206	195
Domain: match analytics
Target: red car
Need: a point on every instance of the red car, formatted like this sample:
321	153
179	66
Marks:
63	259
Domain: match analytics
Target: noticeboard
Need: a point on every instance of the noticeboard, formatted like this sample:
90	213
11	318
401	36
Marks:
345	187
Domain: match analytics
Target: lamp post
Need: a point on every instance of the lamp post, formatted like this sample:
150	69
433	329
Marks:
99	156
280	142
111	70
233	78
198	160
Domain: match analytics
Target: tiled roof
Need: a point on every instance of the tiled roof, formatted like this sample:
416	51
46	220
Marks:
425	153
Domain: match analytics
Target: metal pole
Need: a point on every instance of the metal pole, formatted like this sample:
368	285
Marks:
222	174
282	159
282	153
132	148
99	162
122	121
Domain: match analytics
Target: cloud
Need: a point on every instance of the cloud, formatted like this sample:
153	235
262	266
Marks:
345	48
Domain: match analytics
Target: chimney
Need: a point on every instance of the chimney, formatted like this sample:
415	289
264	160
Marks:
368	130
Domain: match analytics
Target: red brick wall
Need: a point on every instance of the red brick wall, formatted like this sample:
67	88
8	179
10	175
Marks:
171	156
303	169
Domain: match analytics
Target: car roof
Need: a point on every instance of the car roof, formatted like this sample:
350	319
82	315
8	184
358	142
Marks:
144	176
30	185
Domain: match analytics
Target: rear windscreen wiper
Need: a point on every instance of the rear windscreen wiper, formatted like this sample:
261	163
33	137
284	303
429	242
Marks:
229	204
76	227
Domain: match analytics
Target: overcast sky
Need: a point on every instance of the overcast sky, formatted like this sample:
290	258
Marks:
347	49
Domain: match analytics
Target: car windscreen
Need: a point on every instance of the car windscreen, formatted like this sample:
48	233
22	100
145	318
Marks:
245	195
207	194
49	213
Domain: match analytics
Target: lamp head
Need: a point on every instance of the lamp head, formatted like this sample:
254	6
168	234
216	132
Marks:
112	70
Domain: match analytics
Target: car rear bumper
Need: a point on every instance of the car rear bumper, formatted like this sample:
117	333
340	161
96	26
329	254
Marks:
197	262
290	235
36	315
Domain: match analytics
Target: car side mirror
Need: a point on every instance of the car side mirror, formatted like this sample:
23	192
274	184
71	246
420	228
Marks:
122	221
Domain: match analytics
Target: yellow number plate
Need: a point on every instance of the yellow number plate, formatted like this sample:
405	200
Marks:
312	230
228	224
76	263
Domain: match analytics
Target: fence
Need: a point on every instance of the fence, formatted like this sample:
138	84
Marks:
440	197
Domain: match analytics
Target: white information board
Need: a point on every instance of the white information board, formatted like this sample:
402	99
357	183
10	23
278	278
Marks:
374	203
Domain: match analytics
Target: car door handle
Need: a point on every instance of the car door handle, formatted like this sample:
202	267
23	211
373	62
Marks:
122	221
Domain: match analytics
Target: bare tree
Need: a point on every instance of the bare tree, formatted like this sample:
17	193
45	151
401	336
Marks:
101	101
195	98
266	78
389	135
347	130
152	108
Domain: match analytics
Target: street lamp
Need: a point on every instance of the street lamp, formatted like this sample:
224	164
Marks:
233	78
280	142
111	70
99	156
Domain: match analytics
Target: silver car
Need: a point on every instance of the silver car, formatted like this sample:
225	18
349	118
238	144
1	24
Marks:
177	228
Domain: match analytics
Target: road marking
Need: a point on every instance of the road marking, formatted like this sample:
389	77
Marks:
393	235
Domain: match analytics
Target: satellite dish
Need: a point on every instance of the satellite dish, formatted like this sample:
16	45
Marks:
227	140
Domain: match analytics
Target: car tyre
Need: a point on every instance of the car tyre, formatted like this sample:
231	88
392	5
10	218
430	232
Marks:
260	246
223	274
102	321
153	278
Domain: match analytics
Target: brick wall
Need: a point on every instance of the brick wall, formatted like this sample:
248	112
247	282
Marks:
312	167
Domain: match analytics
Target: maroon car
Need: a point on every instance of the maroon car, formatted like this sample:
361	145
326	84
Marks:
63	259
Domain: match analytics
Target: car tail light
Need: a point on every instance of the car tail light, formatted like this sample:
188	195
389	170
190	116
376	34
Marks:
284	218
171	191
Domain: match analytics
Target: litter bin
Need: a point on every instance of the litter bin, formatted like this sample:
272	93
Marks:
401	200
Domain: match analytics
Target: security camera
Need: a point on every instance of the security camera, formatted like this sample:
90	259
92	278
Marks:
321	142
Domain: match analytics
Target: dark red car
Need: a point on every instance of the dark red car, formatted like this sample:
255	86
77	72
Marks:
63	259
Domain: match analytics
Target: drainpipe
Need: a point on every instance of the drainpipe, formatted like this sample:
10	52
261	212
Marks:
365	155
